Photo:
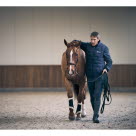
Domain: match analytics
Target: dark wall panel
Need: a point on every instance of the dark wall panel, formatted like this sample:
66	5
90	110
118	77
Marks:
123	76
50	76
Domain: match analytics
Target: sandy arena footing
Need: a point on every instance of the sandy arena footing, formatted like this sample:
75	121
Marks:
49	110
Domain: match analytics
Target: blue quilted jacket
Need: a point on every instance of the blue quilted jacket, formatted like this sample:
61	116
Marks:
97	58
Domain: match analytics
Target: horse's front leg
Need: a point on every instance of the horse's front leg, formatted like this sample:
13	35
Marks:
70	99
79	104
71	105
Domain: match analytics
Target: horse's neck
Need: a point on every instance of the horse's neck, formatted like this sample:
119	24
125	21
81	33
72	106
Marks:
81	62
81	58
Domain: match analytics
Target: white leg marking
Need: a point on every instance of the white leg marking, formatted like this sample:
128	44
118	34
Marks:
71	107
83	110
78	112
70	98
79	103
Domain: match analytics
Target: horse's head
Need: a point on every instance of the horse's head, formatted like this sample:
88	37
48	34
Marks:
72	55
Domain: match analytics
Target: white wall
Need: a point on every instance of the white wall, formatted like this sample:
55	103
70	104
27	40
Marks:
34	35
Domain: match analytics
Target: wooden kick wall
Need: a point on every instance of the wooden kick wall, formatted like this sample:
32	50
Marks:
35	76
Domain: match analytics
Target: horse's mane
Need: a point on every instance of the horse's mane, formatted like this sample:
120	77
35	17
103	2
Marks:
72	43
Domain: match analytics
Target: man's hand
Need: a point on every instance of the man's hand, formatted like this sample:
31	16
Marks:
105	70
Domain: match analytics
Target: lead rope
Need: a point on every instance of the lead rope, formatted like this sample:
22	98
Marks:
108	98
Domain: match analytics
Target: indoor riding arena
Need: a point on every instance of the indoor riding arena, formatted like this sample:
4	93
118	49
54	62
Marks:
32	90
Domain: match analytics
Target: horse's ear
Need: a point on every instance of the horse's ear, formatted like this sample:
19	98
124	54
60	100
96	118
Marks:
65	42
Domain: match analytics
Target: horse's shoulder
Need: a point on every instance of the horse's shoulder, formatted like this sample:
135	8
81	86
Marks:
82	52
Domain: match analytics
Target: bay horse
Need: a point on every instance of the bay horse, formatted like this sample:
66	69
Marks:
73	74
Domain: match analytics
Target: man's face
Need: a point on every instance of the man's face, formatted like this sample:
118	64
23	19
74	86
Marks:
94	40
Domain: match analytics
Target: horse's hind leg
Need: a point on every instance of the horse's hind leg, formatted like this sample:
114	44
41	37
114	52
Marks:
78	111
83	113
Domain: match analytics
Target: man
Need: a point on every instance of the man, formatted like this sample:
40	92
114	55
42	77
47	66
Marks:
98	61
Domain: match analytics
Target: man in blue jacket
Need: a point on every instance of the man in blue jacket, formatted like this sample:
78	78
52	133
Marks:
98	61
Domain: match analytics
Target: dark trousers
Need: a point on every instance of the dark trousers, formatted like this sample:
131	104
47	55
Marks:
95	91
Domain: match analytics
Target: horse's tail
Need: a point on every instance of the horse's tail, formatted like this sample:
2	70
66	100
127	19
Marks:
76	90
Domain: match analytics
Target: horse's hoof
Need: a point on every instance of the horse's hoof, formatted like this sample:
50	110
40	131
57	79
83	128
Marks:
83	116
78	118
71	118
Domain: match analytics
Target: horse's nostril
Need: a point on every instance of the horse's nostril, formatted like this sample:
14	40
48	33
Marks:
73	71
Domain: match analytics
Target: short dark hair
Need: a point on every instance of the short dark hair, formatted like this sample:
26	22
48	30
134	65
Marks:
95	34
